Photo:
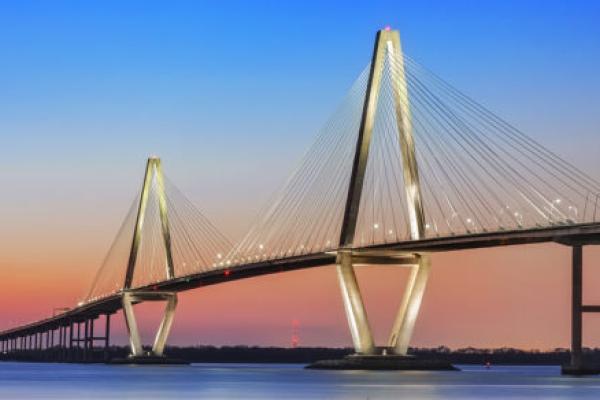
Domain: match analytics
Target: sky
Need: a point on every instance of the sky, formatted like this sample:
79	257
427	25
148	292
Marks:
230	95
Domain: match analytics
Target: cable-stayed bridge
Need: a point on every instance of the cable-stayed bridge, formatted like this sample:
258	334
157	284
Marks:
406	165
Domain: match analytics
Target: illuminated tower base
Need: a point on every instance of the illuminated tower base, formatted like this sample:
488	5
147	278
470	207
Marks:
394	355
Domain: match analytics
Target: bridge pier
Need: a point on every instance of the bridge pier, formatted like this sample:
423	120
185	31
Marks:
63	343
577	365
576	304
86	343
156	354
394	356
71	350
353	304
409	307
107	338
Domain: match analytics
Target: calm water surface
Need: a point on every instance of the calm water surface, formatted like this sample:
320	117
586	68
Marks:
262	381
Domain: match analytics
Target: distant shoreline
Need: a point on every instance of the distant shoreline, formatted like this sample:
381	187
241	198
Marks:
251	354
307	355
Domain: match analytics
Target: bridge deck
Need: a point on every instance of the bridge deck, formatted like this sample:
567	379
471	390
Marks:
567	235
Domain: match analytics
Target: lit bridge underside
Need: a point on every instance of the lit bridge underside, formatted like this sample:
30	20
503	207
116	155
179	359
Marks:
407	166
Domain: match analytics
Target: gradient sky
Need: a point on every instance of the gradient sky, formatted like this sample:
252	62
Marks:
230	94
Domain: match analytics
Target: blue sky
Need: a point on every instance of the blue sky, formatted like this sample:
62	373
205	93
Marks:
231	93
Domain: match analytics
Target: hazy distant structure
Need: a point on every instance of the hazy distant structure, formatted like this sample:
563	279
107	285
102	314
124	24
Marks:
295	339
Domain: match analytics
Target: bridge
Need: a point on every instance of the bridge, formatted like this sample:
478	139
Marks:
407	165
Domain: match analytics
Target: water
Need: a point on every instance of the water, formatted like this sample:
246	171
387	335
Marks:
274	381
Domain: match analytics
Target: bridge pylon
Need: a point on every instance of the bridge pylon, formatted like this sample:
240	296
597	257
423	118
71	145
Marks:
153	180
387	45
153	174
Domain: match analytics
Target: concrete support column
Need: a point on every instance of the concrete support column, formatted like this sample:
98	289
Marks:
91	341
135	343
71	337
164	329
576	306
107	339
78	341
409	307
354	306
64	343
86	328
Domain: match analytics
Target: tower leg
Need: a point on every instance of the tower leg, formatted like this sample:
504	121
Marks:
130	298
409	307
135	341
165	327
353	304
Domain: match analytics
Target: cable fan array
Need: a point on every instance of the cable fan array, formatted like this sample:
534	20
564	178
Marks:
196	244
477	174
306	215
480	174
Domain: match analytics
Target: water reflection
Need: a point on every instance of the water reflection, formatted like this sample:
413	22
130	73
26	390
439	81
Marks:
256	381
